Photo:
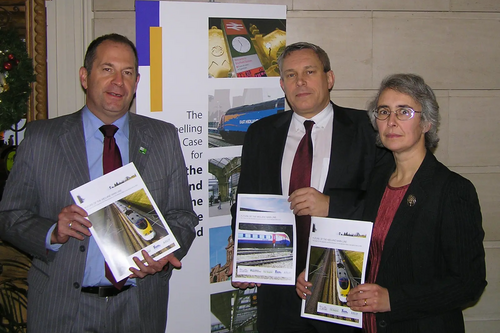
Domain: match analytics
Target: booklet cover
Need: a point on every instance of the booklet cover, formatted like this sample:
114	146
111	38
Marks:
125	219
264	250
336	263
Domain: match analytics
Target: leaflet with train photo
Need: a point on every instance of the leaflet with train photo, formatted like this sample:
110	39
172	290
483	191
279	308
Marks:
336	263
264	245
125	219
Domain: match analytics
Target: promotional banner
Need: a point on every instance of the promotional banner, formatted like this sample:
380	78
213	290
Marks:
210	69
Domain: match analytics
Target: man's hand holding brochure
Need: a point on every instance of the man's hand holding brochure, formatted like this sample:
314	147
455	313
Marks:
126	223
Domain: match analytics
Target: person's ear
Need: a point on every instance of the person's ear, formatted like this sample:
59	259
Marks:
83	77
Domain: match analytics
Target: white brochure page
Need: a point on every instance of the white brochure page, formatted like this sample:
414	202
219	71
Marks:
125	219
336	263
264	250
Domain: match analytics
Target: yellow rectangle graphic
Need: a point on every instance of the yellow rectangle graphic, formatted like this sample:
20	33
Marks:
155	67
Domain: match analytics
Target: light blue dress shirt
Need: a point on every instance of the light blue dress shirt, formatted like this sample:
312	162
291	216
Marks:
94	141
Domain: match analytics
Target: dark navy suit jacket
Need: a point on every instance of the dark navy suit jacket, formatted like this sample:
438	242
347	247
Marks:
353	156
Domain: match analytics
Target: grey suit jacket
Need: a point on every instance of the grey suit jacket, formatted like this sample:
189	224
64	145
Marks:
50	162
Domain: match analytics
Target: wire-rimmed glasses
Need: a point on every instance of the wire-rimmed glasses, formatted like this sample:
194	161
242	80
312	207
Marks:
402	113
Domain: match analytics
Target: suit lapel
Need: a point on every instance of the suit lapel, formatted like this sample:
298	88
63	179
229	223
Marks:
139	142
276	150
379	180
407	213
72	143
342	140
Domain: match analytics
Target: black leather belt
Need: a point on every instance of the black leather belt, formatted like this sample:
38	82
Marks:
103	291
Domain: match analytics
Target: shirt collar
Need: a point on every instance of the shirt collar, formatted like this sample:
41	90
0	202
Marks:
320	120
91	125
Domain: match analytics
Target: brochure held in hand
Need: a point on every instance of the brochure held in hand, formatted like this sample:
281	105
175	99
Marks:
125	219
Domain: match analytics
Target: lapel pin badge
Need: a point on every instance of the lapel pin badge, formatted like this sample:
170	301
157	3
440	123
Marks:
143	150
411	200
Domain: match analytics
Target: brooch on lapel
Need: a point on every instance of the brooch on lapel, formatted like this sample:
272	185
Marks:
143	150
411	200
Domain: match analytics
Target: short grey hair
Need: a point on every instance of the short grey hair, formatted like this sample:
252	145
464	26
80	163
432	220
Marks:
415	87
323	57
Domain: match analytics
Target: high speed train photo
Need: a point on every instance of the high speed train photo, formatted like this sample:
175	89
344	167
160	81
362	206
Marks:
140	223
343	281
261	238
234	123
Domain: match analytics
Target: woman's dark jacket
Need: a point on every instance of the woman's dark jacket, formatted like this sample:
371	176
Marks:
433	259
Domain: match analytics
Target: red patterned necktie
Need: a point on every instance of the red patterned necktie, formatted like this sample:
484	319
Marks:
111	160
111	157
301	177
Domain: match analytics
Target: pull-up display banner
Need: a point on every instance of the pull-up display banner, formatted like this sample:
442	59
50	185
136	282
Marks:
210	69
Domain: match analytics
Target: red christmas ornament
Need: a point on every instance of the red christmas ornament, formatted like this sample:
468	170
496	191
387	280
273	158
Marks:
17	61
7	65
11	56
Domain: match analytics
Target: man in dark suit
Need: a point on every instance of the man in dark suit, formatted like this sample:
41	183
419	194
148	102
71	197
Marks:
68	290
344	154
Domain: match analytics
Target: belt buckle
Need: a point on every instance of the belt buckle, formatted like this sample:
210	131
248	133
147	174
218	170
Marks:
108	291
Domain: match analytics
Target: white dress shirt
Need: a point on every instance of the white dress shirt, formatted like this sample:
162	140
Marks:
321	135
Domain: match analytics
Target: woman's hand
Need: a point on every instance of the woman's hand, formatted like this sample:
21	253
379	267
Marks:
302	286
369	297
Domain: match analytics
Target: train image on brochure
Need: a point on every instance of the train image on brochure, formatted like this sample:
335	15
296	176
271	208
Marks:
260	238
343	281
140	223
234	123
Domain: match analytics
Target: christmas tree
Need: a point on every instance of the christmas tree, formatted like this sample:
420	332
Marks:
16	75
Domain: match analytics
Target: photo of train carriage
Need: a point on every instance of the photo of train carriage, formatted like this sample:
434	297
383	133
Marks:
126	226
140	223
130	223
262	239
232	111
343	280
265	245
333	273
235	122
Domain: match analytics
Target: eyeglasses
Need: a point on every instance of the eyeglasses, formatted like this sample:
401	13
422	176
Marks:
404	113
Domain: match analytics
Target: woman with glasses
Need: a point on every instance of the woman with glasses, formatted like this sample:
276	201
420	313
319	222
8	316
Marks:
426	259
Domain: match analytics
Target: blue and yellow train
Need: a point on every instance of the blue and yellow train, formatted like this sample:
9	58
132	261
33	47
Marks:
140	223
235	122
343	281
261	238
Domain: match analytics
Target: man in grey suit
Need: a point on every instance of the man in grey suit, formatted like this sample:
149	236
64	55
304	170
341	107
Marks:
68	290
